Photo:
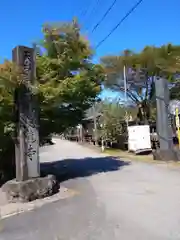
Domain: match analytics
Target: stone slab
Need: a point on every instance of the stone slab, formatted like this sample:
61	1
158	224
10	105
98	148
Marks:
29	190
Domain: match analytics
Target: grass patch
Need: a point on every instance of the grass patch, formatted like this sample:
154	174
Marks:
143	158
128	155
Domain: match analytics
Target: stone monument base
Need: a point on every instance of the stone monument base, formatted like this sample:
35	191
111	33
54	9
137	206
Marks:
166	155
30	189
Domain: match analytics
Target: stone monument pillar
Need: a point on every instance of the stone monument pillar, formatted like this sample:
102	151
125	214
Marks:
27	144
28	184
164	130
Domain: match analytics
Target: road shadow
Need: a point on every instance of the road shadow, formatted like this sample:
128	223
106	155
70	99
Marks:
73	168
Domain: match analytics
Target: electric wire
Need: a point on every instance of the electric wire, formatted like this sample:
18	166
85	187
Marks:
94	9
85	11
119	23
104	16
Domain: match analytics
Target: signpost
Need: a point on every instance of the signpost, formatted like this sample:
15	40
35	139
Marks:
174	109
27	135
178	125
173	105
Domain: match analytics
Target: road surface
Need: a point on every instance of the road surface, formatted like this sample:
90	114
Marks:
114	200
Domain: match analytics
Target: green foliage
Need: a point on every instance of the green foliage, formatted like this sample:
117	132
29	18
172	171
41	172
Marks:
10	78
67	83
141	70
175	91
112	120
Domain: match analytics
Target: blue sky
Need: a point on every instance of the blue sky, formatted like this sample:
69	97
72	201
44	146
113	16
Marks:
154	22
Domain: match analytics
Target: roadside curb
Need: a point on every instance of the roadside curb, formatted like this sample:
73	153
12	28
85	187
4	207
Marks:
11	209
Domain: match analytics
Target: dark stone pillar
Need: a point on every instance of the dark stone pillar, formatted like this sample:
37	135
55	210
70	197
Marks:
27	144
164	130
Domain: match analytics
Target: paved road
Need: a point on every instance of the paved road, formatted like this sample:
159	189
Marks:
114	200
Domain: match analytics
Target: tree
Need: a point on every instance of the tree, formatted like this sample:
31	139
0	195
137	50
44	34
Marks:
67	83
175	91
68	80
10	78
113	116
141	70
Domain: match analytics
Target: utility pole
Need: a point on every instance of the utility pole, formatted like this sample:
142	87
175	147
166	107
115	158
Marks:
95	124
125	92
80	132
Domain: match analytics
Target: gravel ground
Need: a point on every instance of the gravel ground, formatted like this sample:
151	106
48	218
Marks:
114	200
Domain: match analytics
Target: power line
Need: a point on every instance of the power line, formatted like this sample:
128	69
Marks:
85	11
104	16
95	7
119	23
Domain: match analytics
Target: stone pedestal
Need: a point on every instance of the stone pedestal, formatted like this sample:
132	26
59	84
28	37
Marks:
31	189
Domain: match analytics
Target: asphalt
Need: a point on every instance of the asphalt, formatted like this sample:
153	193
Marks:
113	200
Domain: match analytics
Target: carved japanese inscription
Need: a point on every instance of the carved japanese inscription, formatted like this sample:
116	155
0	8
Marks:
27	108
